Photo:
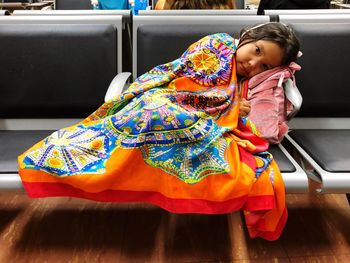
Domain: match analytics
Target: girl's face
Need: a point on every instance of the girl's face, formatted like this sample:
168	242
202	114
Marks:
258	56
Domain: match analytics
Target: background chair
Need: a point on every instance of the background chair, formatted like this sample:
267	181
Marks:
321	130
55	71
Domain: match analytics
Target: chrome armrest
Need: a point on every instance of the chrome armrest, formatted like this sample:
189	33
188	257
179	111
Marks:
10	182
293	95
117	85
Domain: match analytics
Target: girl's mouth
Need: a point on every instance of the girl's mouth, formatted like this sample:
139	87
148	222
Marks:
243	70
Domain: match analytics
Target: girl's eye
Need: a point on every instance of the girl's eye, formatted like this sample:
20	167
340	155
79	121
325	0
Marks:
257	50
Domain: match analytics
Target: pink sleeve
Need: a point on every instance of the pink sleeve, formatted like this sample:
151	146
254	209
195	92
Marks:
268	114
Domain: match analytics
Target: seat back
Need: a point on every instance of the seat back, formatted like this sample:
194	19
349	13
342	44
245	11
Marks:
72	4
323	80
124	13
309	12
57	67
160	39
315	18
126	26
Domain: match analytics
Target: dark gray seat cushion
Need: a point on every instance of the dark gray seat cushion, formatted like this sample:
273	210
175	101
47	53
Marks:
14	143
329	148
285	165
55	70
323	80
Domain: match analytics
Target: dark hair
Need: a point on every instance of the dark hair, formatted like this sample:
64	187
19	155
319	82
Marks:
202	4
281	34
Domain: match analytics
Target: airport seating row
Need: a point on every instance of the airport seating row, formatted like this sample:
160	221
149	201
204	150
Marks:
86	4
57	69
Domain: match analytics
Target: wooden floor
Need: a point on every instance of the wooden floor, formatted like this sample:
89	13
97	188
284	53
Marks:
74	230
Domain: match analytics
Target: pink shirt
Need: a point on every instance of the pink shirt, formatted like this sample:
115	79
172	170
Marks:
269	106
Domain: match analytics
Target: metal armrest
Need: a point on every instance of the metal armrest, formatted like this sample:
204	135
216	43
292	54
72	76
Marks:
332	182
10	182
297	181
117	85
293	95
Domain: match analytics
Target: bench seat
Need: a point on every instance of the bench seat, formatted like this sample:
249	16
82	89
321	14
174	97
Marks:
14	142
328	152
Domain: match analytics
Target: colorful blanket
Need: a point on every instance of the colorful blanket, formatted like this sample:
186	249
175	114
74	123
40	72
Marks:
173	139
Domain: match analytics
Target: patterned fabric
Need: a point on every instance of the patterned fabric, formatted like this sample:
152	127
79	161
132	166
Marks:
174	139
71	151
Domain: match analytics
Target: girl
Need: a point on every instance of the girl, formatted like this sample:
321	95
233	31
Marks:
175	139
262	86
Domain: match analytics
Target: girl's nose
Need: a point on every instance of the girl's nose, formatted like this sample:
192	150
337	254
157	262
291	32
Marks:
253	63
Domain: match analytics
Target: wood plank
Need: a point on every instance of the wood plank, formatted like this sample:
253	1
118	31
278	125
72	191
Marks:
75	230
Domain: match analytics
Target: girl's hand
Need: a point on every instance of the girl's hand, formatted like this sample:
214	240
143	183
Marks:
244	107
